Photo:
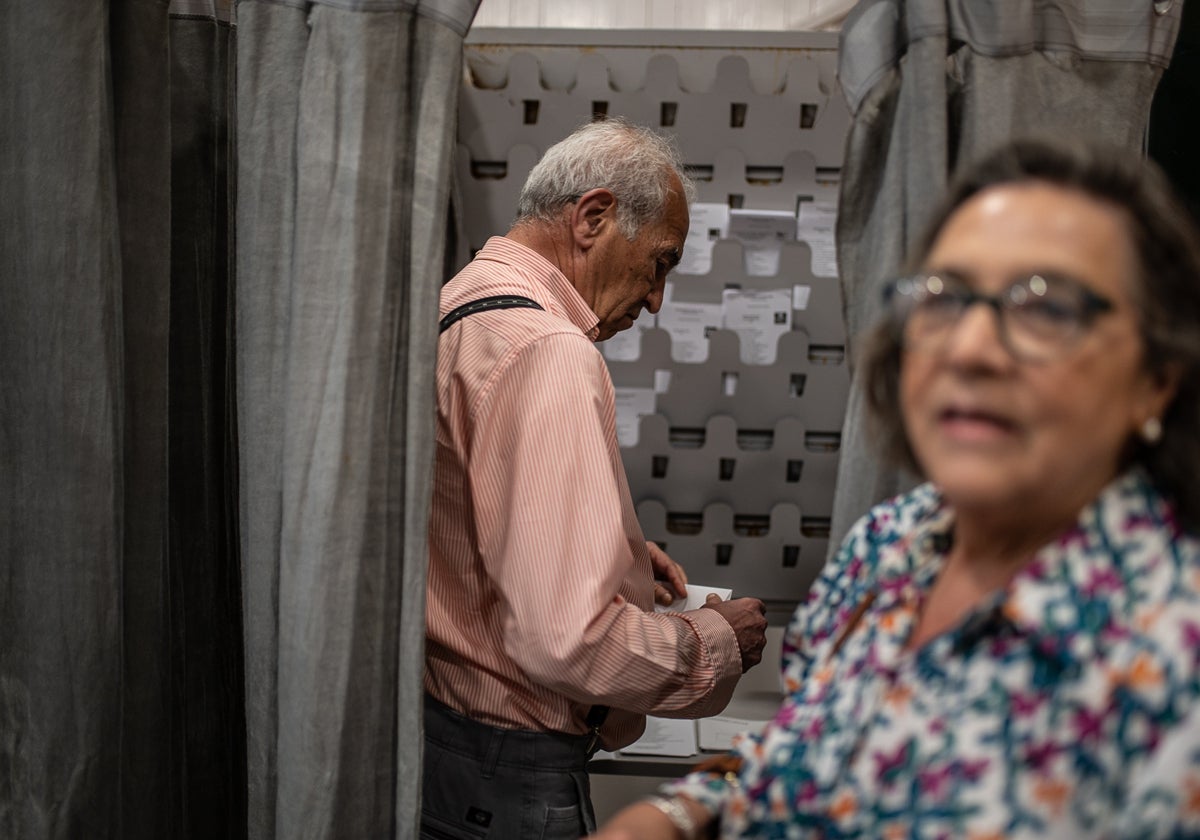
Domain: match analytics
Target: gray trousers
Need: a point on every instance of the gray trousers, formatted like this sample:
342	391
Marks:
484	782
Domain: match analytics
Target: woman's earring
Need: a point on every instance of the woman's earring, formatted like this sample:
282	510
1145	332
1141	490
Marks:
1152	430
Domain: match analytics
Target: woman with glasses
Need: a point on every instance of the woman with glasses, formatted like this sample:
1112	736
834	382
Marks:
1013	648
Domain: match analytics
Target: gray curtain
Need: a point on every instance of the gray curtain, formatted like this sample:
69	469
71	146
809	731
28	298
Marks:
150	503
120	650
932	83
346	117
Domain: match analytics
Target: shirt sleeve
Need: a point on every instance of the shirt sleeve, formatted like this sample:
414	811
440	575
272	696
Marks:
550	506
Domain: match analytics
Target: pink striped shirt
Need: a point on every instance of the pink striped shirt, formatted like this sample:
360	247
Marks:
540	593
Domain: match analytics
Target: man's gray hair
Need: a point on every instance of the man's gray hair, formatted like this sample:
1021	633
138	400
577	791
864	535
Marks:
633	162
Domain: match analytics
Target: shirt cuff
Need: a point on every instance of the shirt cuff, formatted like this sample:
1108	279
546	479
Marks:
719	640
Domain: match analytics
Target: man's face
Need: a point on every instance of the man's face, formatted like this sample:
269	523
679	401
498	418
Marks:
632	274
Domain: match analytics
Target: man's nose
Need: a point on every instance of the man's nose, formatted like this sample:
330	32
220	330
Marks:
654	300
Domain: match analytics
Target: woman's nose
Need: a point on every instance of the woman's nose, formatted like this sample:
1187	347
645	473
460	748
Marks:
977	338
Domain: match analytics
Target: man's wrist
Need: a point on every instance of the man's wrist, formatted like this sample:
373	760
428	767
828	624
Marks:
677	812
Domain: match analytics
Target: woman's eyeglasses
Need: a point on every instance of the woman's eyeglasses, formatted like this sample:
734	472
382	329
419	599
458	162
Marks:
1040	317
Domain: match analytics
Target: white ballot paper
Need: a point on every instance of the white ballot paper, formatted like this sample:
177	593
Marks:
626	345
665	736
762	234
709	222
759	318
695	598
689	325
815	224
717	733
632	405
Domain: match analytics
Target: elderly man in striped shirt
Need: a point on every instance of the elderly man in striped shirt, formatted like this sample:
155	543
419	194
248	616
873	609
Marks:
541	639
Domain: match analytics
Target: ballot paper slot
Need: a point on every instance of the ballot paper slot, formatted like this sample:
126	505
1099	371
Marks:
685	523
827	354
737	114
666	113
659	465
829	175
726	468
755	440
791	556
490	169
763	175
531	108
808	115
599	110
816	527
751	525
794	470
686	437
724	553
822	441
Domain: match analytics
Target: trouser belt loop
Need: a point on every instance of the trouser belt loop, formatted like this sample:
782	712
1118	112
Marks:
492	756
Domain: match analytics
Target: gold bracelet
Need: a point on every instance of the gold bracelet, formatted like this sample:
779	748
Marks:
677	813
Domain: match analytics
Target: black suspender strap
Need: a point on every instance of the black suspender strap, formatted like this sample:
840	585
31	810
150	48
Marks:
484	304
595	719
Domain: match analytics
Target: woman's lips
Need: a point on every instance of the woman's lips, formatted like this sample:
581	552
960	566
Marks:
974	424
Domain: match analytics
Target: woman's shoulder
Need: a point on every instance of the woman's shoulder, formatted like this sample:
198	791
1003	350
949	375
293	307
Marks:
896	518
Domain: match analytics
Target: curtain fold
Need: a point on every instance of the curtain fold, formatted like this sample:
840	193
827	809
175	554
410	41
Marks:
931	83
204	587
62	427
141	129
346	126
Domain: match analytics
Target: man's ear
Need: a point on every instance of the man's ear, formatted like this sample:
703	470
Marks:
591	215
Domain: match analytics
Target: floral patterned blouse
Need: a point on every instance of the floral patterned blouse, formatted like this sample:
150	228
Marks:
1065	707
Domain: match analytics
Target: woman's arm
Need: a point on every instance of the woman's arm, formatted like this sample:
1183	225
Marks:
660	818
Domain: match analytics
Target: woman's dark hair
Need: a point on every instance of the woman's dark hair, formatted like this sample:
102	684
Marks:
1166	294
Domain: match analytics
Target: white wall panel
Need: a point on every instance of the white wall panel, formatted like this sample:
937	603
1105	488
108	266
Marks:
757	15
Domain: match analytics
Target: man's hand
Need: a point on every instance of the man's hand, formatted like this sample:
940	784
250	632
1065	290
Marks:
747	617
671	575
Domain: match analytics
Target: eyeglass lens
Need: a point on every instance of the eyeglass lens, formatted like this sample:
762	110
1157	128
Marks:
1039	317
